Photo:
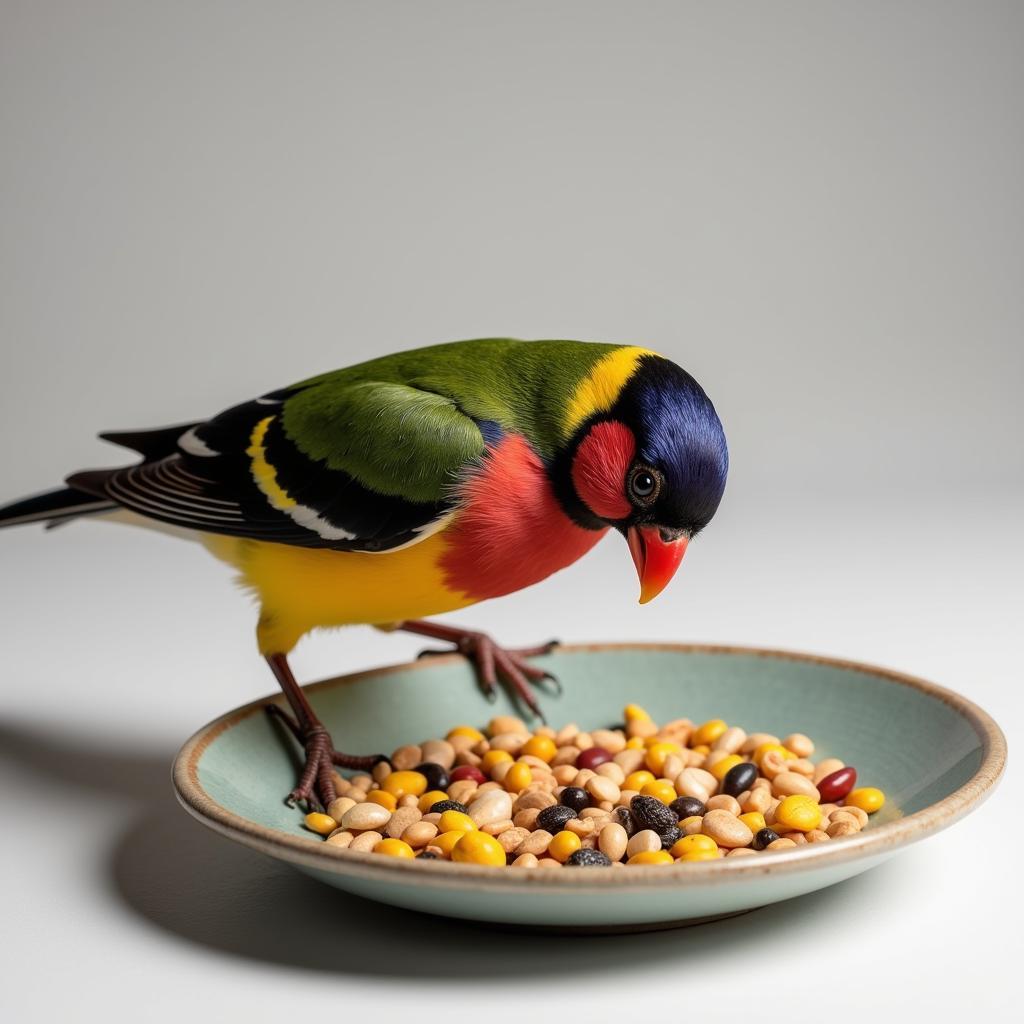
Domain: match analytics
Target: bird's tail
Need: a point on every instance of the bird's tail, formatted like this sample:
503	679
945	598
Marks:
53	508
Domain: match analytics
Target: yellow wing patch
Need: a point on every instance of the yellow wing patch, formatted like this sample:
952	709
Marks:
263	472
600	389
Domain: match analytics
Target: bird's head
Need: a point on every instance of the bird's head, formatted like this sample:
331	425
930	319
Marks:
653	466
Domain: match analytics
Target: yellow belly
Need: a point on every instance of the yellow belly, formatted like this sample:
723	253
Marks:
303	588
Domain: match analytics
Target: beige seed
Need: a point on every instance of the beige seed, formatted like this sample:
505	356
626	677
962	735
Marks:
434	818
462	791
611	739
564	774
496	828
843	815
407	757
693	782
583	740
781	844
731	740
612	841
531	797
505	724
525	860
724	803
673	765
526	818
726	829
790	784
641	727
510	839
644	841
798	837
481	747
755	739
838	829
510	742
610	770
363	781
712	757
545	730
340	839
741	851
461	743
581	826
582	777
691	826
816	835
365	816
548	862
565	755
408	801
676	731
858	812
801	766
603	789
380	772
536	843
566	734
338	806
494	805
365	842
401	820
419	834
827	767
625	796
799	744
341	784
438	752
772	764
758	800
629	760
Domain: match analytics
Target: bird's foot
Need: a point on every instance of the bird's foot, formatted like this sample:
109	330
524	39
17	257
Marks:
315	788
493	663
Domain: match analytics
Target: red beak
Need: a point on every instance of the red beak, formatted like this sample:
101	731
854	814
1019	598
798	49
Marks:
656	559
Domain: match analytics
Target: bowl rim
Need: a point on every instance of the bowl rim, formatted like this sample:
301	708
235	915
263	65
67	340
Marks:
876	842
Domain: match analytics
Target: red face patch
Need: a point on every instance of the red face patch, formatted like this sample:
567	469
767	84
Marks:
599	469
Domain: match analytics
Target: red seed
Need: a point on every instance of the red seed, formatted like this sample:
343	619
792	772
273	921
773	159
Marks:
834	787
592	757
467	771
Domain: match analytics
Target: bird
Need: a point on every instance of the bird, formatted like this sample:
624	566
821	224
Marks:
418	483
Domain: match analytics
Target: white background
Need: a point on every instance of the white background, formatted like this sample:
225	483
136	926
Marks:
814	208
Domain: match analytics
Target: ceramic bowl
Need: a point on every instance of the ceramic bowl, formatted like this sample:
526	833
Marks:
935	754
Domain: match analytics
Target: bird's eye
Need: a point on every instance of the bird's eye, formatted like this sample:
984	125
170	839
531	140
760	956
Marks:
644	484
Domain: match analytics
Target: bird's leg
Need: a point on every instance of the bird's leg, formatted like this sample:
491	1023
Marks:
491	661
316	783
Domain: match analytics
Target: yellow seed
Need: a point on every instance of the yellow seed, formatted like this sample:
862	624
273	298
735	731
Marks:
700	855
518	778
382	797
691	844
563	846
394	848
701	748
465	730
709	731
479	848
455	821
324	824
651	857
658	752
430	798
660	789
867	798
797	813
635	743
400	784
637	780
635	713
754	820
493	757
721	768
447	840
764	748
540	746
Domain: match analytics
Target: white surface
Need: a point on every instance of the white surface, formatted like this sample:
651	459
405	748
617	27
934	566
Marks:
118	906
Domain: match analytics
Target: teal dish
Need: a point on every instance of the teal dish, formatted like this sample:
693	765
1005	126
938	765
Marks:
935	754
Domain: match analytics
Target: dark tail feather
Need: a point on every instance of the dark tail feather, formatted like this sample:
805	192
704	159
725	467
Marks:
53	507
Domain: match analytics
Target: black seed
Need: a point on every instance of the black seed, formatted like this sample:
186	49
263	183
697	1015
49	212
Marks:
553	819
436	776
427	855
446	805
588	859
574	797
738	778
764	838
621	816
650	812
669	836
687	807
